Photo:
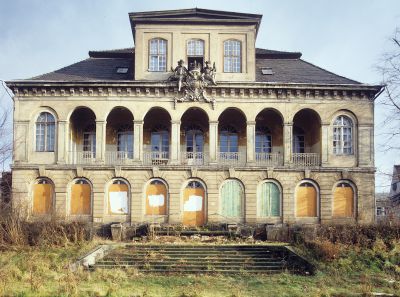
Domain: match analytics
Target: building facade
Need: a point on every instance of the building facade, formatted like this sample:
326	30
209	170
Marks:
230	133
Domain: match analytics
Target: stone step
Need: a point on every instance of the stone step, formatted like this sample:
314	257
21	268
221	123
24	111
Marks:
193	259
181	267
231	263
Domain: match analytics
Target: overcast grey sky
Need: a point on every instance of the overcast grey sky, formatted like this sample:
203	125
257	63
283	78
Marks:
344	36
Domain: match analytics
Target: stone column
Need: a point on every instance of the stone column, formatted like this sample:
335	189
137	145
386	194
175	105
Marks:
62	132
138	141
101	141
251	139
175	147
324	144
213	141
287	143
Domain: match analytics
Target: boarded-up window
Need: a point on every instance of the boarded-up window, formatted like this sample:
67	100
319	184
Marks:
42	197
81	194
306	200
156	198
118	198
193	204
343	201
232	199
269	200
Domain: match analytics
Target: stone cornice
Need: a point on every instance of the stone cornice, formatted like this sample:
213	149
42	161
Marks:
157	89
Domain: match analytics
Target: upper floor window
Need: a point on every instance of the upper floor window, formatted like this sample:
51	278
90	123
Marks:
45	132
158	55
229	140
263	140
343	136
232	56
195	53
298	140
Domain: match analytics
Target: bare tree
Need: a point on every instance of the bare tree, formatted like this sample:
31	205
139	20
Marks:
389	67
5	127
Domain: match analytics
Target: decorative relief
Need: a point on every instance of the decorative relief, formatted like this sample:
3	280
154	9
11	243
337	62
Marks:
192	83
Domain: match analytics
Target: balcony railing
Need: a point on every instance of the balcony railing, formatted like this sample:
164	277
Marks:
190	158
155	158
80	157
119	158
269	159
305	159
231	159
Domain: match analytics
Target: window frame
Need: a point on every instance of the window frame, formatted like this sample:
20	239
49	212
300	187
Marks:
158	55
266	138
45	141
339	133
231	67
107	196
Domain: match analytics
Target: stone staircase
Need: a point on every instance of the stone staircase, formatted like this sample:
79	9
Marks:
205	258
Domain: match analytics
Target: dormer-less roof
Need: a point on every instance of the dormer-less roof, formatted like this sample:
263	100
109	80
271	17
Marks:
194	16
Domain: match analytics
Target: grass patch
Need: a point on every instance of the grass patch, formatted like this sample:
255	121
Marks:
44	271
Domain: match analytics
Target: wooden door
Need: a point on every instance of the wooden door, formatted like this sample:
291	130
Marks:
306	201
193	206
42	199
81	199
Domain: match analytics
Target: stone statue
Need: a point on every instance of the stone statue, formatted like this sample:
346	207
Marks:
209	73
180	72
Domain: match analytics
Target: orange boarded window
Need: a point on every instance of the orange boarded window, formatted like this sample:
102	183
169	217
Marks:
156	198
81	194
306	200
118	198
343	201
42	198
193	204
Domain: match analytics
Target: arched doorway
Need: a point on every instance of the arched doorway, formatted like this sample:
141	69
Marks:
194	196
81	197
343	200
156	198
43	193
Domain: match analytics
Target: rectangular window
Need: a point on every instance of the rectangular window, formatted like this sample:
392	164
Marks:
158	55
232	56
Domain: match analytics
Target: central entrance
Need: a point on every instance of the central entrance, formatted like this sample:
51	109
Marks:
194	204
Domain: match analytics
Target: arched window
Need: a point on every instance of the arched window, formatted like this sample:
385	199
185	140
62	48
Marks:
81	197
158	55
43	193
268	200
232	56
343	200
118	193
343	136
263	140
306	200
194	204
45	132
229	140
232	196
156	198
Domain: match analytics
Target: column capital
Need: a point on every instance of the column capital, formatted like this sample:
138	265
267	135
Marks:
101	121
288	124
62	121
213	122
325	124
251	122
176	122
138	122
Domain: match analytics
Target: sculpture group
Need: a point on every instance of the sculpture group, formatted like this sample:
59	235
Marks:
192	83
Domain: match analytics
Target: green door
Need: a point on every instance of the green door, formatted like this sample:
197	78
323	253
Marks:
268	201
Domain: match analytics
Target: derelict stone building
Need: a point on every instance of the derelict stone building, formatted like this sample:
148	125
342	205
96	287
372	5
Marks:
194	125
